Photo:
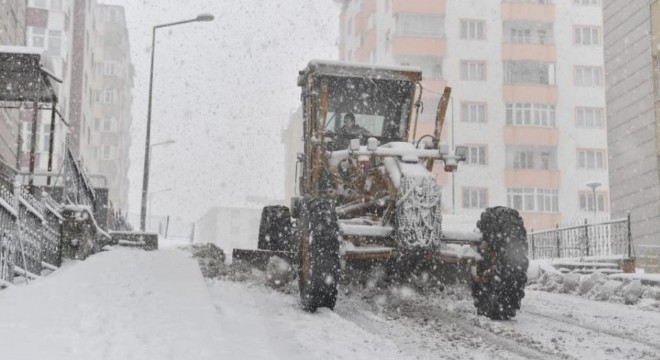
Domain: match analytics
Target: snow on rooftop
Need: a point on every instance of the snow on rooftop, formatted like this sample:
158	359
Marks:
336	63
21	50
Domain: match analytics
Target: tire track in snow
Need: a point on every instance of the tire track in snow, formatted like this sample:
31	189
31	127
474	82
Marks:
511	345
594	328
441	335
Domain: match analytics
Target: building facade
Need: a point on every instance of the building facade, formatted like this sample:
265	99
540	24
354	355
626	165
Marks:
111	118
87	45
632	65
528	96
12	33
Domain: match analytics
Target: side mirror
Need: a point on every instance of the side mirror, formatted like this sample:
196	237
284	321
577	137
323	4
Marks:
372	144
461	153
354	145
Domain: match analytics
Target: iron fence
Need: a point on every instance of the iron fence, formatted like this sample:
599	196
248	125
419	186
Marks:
605	239
29	232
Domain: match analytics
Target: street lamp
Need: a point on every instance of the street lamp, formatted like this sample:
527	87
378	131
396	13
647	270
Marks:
166	142
151	196
593	185
145	178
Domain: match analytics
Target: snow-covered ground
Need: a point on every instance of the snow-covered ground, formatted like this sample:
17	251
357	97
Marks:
131	304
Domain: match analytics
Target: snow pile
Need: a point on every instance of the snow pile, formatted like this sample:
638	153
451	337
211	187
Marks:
210	257
595	286
278	272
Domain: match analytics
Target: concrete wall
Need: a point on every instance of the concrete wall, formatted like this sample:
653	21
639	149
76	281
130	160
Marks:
229	228
632	121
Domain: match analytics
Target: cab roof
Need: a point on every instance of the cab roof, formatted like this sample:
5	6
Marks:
349	69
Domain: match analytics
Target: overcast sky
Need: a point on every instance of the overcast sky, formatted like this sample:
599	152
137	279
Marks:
223	91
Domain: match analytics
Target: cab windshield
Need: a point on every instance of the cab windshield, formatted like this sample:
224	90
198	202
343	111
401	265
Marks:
380	107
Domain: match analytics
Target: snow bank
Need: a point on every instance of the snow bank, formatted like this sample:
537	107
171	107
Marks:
542	275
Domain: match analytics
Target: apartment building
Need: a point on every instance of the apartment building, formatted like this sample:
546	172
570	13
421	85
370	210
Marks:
12	33
632	69
111	100
87	44
528	96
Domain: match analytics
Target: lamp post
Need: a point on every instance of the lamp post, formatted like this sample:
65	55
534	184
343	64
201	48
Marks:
147	147
151	196
593	185
166	142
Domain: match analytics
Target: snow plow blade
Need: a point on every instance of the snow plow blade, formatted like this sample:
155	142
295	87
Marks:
259	258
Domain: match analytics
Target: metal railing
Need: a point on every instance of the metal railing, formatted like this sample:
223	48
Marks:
605	239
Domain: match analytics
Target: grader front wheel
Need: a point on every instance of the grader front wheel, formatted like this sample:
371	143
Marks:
319	256
498	281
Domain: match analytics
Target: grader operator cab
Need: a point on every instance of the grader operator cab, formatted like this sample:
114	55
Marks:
366	194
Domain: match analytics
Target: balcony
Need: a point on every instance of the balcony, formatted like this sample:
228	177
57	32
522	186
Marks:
528	11
532	178
369	6
526	51
529	135
419	6
540	221
530	93
408	45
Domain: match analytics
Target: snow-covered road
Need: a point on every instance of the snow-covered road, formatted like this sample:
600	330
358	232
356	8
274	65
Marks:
130	304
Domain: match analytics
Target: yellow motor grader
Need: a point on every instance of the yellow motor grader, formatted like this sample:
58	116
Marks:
366	193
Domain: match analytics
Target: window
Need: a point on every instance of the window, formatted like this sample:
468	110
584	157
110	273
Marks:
107	152
476	155
56	5
588	76
55	42
589	117
44	138
523	160
431	66
475	198
109	68
420	25
530	114
38	37
531	157
99	68
527	32
473	30
473	70
109	124
587	201
587	2
529	72
591	159
109	96
473	112
586	35
370	21
521	35
97	124
533	199
42	4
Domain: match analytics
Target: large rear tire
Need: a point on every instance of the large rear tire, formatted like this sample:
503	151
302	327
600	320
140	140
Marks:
275	229
320	267
498	281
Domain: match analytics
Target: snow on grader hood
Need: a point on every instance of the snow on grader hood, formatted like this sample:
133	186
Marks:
367	193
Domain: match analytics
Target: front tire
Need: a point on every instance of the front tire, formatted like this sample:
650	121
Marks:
275	229
320	267
498	281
